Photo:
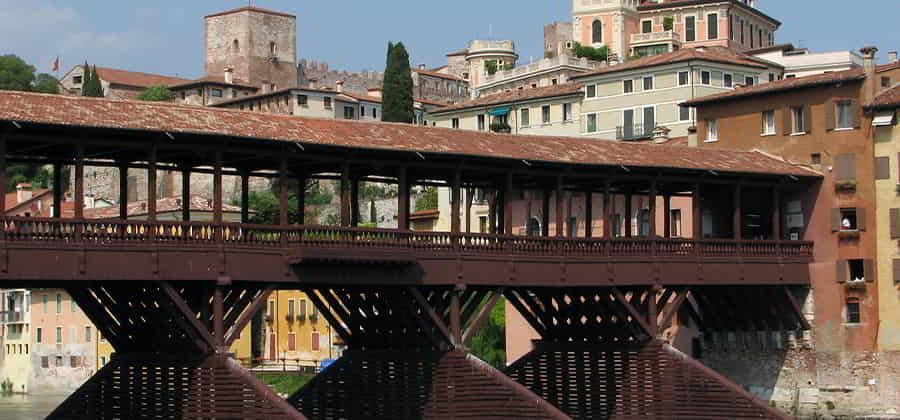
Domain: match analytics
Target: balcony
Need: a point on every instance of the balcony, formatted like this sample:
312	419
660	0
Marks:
665	37
13	316
634	132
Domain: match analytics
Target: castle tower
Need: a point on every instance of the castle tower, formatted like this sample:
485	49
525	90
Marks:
605	22
258	45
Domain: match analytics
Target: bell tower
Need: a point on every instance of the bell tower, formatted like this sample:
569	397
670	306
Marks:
605	22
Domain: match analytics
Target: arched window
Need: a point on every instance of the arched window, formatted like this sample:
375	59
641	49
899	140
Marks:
534	227
235	46
597	32
273	49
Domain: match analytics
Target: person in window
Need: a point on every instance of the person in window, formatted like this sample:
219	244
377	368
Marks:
845	224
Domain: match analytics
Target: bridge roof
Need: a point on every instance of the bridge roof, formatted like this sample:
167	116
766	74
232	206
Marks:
66	111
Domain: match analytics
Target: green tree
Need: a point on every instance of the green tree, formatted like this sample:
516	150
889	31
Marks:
36	175
428	200
90	84
45	83
15	74
397	99
158	93
668	23
591	53
489	344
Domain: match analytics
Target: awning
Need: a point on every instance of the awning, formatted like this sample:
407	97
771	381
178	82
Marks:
883	119
496	112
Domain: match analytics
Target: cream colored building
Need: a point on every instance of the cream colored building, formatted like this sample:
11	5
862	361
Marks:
628	101
800	62
305	102
552	110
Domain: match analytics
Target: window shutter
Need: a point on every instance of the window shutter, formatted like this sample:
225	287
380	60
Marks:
896	271
835	220
869	270
843	271
786	121
882	168
845	167
829	115
860	219
807	119
895	223
851	167
854	113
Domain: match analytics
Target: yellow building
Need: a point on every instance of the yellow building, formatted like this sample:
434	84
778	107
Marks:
295	332
884	111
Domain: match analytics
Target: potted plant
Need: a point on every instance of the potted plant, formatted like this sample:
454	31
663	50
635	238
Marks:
845	185
501	127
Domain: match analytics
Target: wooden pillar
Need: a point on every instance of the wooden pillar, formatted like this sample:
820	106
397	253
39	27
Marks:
455	201
245	196
151	185
219	316
607	209
3	174
588	214
217	188
776	213
653	311
301	197
507	205
403	199
455	322
186	193
667	215
736	207
283	193
345	195
545	212
651	206
123	190
354	201
79	181
470	193
560	219
628	221
57	189
697	211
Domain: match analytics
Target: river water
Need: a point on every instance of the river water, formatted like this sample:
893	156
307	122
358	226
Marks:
27	407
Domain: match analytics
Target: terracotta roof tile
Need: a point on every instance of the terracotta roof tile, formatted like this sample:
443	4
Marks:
137	79
782	85
252	9
713	54
13	206
56	110
889	99
516	95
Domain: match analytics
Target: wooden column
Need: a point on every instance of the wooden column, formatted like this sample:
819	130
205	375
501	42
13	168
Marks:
697	211
776	213
628	221
123	190
151	185
736	215
3	174
345	195
354	201
245	197
186	193
219	316
607	209
403	199
79	181
545	212
588	214
507	205
455	201
667	215
455	322
283	193
217	188
651	206
560	219
301	196
470	193
57	189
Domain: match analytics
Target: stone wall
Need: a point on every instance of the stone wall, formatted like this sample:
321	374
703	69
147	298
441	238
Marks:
320	74
261	48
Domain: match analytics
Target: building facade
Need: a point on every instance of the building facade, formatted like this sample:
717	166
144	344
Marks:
799	62
117	83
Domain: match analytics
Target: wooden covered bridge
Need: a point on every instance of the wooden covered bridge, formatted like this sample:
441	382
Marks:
171	296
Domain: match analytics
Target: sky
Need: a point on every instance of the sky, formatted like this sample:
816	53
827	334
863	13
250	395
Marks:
166	36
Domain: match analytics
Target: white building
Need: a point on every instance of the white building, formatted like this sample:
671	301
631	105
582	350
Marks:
799	62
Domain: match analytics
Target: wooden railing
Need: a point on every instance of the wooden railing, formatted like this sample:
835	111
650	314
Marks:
105	232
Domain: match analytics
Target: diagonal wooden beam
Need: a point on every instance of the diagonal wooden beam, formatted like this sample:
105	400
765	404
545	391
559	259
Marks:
336	324
692	311
180	304
166	305
513	298
98	315
437	320
637	316
482	314
255	306
439	339
673	308
797	309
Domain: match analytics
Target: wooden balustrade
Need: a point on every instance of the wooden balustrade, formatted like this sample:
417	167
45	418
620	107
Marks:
112	232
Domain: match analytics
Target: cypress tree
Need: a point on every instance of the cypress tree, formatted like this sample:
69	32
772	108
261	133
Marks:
397	101
90	85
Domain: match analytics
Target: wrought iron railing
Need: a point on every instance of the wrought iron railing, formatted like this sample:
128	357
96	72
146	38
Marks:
634	132
92	232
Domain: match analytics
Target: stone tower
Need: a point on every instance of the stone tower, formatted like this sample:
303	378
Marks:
605	22
258	45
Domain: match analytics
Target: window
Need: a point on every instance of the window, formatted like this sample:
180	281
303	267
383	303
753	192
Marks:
815	158
728	80
554	82
87	334
74	361
617	225
314	341
38	335
597	32
302	100
749	81
273	49
646	26
362	111
525	117
349	113
712	130
58	335
591	91
771	77
690	31
592	123
59	361
675	223
798	120
843	111
292	341
77	80
327	101
768	123
454	122
235	46
534	227
545	114
567	112
849	220
481	122
853	316
375	113
627	86
712	26
704	77
683	78
45	362
290	310
572	227
58	303
648	83
216	93
885	82
684	113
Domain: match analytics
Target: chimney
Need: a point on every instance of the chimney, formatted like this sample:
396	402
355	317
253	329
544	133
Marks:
692	136
869	85
229	75
339	86
661	134
23	193
892	57
312	82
